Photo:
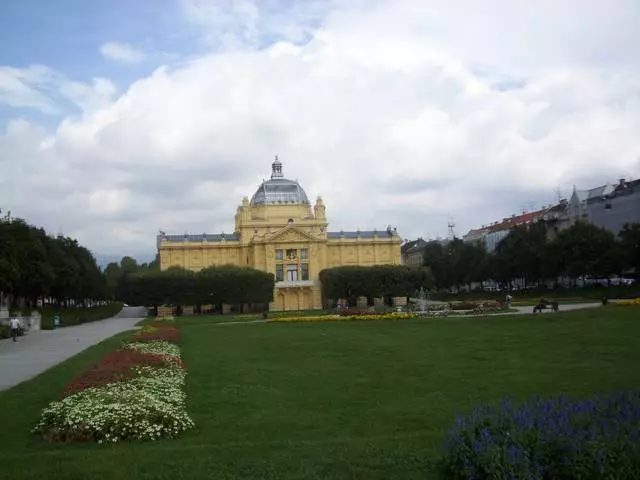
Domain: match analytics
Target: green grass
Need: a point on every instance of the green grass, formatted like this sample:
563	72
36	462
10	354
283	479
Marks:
337	400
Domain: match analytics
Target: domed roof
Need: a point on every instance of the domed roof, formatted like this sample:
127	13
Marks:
279	190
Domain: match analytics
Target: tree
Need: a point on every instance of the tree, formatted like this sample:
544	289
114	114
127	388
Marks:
588	250
214	285
435	256
351	282
630	245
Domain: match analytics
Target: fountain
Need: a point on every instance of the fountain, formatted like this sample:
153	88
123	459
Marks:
423	300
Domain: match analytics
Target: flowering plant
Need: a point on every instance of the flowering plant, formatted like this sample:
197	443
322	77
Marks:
319	318
157	332
132	393
629	303
118	366
548	439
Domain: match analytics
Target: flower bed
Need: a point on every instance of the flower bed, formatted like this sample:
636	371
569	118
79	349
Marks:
367	316
629	303
135	392
548	439
157	332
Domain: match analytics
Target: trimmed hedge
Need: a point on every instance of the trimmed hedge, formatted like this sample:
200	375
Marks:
76	316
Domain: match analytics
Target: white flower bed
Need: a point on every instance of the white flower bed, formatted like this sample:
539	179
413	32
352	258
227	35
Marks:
149	407
162	348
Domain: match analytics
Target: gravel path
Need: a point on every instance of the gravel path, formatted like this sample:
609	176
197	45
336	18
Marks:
40	350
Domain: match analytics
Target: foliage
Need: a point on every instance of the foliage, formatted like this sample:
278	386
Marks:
588	250
630	243
548	438
456	263
527	254
214	285
75	315
34	264
376	281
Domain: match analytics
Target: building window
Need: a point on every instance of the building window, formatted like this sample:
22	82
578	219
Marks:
292	254
292	273
304	271
279	272
304	254
279	255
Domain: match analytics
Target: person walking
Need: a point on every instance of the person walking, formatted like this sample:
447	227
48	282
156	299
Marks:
14	324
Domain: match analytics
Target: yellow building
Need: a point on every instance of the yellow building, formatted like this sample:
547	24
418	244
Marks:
279	231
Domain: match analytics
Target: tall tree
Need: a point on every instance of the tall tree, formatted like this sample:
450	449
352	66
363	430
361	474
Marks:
630	244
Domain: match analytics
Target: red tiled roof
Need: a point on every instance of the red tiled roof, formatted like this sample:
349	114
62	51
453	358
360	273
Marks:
517	220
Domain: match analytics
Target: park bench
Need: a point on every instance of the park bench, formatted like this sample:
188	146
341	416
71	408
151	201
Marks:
543	304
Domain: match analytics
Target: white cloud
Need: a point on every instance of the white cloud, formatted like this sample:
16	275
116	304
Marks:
121	52
384	111
20	87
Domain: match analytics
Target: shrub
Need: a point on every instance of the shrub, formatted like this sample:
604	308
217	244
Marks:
75	316
552	438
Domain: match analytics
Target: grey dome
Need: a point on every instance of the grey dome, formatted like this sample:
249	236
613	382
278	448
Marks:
279	190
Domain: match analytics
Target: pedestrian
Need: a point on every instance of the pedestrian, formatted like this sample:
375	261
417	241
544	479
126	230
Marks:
14	324
509	299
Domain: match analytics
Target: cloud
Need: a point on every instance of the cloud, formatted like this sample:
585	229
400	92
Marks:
21	88
381	110
121	52
44	89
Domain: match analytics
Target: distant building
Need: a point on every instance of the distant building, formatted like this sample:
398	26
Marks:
577	206
280	232
412	252
557	218
475	235
613	209
493	234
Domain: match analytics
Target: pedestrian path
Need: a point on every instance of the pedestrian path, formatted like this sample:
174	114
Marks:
40	350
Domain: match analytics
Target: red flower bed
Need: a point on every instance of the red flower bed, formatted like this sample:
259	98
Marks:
167	333
115	367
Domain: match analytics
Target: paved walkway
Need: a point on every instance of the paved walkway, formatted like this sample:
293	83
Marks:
563	308
40	350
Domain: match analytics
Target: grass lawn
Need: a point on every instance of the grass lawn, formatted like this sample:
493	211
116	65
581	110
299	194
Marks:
356	400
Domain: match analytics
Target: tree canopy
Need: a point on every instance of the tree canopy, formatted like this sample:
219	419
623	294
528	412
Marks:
214	285
527	254
35	265
350	282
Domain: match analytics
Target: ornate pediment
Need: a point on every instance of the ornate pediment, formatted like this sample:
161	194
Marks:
290	235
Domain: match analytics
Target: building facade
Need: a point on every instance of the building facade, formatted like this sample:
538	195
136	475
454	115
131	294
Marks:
615	208
493	234
278	231
412	252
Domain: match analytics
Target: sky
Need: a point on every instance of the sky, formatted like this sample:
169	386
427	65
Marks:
119	119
